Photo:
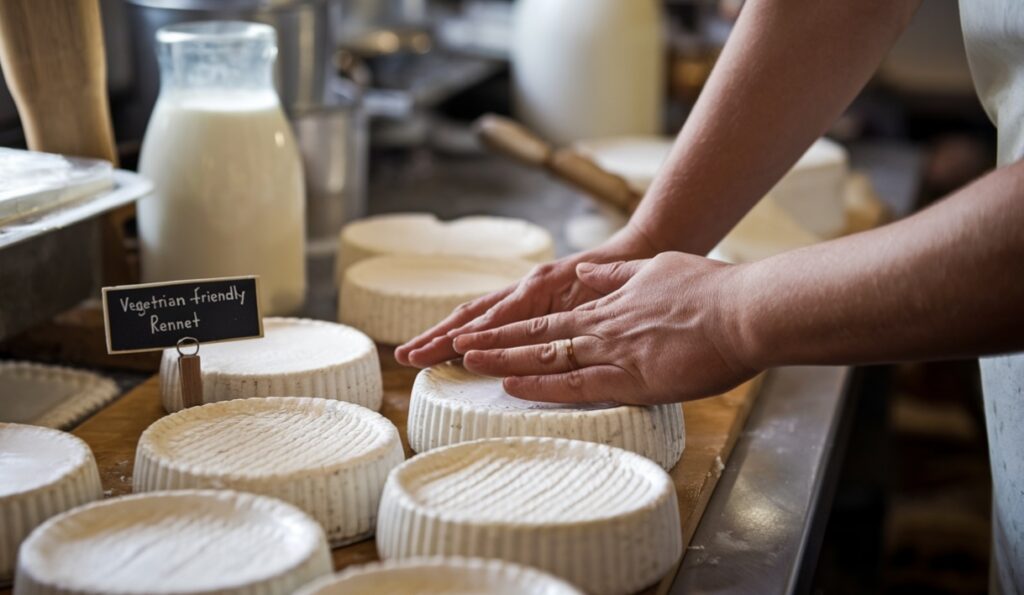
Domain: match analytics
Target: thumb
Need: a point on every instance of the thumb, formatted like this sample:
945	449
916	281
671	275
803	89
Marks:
607	278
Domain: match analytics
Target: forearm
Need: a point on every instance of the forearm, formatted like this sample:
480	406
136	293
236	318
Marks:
790	68
947	282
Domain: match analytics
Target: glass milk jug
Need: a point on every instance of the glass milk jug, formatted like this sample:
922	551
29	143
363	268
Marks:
228	194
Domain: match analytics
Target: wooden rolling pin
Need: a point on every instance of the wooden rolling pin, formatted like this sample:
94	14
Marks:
512	139
53	60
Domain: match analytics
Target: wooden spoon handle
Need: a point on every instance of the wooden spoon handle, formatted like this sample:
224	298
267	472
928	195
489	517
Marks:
512	139
53	59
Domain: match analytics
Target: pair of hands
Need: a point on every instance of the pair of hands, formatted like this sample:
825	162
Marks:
649	331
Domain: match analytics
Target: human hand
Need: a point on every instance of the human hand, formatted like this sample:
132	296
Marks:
664	331
549	288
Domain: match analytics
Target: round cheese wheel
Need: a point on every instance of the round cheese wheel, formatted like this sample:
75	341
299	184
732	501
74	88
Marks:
441	576
295	357
329	458
451	404
43	472
51	396
188	541
602	518
394	298
423	234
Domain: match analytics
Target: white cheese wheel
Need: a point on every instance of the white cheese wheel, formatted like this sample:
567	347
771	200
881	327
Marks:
451	404
441	576
394	298
189	541
51	396
295	357
43	472
602	518
327	457
424	234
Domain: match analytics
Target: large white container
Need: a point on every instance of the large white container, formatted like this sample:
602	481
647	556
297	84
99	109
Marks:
588	68
228	188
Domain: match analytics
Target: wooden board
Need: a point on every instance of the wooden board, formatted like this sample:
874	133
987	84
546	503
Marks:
712	426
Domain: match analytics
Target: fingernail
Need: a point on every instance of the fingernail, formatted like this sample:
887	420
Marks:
458	344
585	267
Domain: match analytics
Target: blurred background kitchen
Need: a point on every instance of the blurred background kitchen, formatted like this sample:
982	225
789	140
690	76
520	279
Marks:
382	96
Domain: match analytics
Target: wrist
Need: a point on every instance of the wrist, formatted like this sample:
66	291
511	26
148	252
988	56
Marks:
744	318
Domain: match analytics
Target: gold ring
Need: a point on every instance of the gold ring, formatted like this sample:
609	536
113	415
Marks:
570	353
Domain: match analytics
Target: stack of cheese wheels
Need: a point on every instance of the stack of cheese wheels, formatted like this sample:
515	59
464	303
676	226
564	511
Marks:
424	234
326	457
451	404
450	576
43	472
394	298
602	518
190	541
295	357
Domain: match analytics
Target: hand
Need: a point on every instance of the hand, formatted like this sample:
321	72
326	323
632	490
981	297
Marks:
549	288
663	332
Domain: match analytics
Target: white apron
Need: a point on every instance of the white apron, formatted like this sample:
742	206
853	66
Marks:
994	38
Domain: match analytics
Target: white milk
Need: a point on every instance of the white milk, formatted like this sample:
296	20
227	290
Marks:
229	196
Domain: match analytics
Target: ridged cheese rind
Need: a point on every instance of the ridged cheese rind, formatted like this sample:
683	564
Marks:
441	576
450	404
395	298
43	472
599	517
295	357
184	542
328	458
423	234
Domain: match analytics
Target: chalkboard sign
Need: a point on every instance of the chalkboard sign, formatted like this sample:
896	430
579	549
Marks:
156	315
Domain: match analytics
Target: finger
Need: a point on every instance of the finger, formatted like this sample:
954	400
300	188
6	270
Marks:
515	306
595	384
606	278
547	358
461	315
527	332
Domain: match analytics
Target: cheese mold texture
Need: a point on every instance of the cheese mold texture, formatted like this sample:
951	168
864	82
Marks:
395	298
189	541
43	472
601	518
328	458
295	357
423	234
450	404
441	576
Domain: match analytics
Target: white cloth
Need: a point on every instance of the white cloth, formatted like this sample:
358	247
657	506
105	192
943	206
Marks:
994	38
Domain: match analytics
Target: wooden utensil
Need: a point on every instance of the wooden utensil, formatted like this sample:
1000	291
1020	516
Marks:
512	139
53	60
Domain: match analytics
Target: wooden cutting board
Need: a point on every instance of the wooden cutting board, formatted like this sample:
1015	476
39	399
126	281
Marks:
712	426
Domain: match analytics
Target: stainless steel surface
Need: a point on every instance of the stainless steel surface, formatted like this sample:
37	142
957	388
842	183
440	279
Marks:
760	521
50	262
333	142
303	40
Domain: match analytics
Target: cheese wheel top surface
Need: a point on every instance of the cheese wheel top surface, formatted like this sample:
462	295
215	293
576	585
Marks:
532	481
423	233
289	345
172	542
32	457
269	437
452	382
441	576
437	275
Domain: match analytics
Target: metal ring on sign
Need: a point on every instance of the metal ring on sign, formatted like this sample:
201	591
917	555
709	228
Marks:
570	353
185	340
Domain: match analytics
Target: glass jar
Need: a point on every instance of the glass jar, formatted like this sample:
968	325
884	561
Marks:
228	195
